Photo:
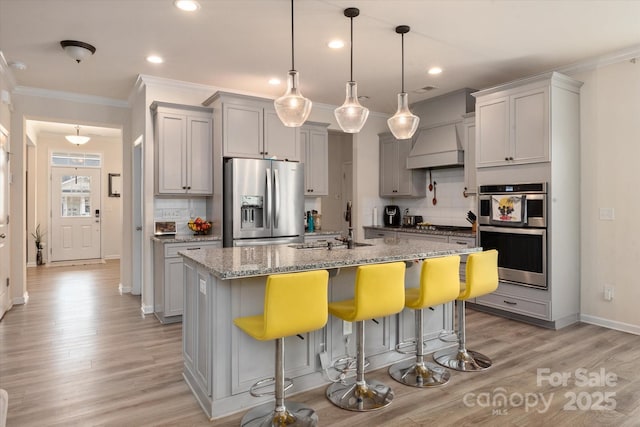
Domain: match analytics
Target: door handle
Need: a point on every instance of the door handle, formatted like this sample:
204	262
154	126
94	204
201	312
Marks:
276	190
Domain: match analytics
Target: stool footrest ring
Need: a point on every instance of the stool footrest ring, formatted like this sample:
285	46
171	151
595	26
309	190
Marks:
406	347
254	390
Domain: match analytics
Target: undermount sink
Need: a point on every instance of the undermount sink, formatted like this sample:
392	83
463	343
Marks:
327	245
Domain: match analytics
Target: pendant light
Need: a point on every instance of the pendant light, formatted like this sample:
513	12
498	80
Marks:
403	123
351	115
77	139
293	109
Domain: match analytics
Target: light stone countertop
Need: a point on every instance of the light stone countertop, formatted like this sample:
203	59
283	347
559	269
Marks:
185	238
457	233
239	262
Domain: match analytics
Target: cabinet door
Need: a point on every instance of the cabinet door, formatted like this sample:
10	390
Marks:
470	183
420	236
171	148
373	233
202	361
492	120
189	319
242	131
530	126
200	155
405	176
279	141
317	161
388	167
174	284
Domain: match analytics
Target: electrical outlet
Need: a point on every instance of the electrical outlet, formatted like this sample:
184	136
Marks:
608	293
346	328
203	287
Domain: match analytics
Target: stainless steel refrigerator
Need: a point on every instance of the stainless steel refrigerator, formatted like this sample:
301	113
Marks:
263	202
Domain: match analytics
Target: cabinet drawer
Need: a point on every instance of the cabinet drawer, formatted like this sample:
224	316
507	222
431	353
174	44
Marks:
171	250
518	305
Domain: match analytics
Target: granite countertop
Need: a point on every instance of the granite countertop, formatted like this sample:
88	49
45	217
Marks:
321	232
239	262
457	233
185	238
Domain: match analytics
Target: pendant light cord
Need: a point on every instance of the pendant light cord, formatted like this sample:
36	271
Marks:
351	79
402	62
292	46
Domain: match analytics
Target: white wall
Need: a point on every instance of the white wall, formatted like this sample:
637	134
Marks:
111	209
610	149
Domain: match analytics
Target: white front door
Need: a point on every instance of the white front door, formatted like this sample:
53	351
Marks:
75	213
5	298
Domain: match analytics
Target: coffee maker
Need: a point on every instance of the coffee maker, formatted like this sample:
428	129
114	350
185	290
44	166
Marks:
391	216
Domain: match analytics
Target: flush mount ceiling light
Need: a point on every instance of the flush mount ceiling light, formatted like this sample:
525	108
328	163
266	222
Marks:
155	59
351	115
77	50
435	70
77	139
336	44
292	108
403	123
187	5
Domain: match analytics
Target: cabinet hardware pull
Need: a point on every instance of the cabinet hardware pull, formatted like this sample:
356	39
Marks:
375	321
300	336
193	249
509	302
506	159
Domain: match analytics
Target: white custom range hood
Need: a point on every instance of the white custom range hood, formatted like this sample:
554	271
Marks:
438	146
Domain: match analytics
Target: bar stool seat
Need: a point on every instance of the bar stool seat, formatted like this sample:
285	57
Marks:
379	291
439	284
294	303
482	279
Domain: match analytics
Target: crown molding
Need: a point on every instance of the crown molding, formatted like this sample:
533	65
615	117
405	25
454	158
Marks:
70	96
625	54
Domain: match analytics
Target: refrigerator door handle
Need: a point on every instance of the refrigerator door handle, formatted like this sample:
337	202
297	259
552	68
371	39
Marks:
268	198
276	192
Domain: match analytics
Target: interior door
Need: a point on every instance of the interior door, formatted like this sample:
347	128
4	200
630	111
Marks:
5	299
75	213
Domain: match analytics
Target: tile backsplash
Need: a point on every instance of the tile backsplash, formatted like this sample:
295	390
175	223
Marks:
180	211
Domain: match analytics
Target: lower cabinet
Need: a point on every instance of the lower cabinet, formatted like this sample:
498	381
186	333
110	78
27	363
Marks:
378	233
168	278
519	300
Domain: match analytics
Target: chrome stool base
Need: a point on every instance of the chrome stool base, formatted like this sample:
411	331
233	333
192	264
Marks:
361	398
295	414
414	374
462	360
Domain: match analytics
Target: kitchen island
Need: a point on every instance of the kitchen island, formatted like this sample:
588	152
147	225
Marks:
221	362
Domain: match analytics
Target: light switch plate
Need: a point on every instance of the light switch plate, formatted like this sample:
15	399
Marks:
607	214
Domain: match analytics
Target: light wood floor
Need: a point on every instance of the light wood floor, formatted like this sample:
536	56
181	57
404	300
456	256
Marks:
81	354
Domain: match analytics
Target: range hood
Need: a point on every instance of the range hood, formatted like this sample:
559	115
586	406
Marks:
437	147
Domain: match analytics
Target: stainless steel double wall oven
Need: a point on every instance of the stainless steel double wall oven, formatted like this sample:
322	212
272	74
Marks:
513	220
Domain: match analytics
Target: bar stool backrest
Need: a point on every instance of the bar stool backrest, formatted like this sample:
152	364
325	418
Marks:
379	290
295	303
439	281
482	274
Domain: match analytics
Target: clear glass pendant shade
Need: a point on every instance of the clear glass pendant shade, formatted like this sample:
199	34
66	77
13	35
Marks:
351	116
403	124
293	109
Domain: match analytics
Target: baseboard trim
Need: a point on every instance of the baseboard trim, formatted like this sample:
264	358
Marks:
112	257
610	324
21	300
146	309
124	289
73	263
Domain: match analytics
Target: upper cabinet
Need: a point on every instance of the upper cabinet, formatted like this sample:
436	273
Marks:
469	145
395	179
251	129
513	125
183	140
314	149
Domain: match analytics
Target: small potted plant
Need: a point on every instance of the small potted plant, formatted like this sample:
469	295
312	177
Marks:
37	237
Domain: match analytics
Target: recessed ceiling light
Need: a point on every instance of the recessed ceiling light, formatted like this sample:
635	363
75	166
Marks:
187	5
435	70
155	59
336	44
274	81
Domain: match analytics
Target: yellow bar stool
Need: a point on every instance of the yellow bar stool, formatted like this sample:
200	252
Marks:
379	291
439	284
482	278
294	303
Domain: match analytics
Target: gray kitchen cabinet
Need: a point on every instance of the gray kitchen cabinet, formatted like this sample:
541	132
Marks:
513	127
251	129
314	149
168	278
424	236
325	237
395	179
183	138
469	144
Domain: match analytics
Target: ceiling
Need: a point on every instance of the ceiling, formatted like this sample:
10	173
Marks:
241	44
